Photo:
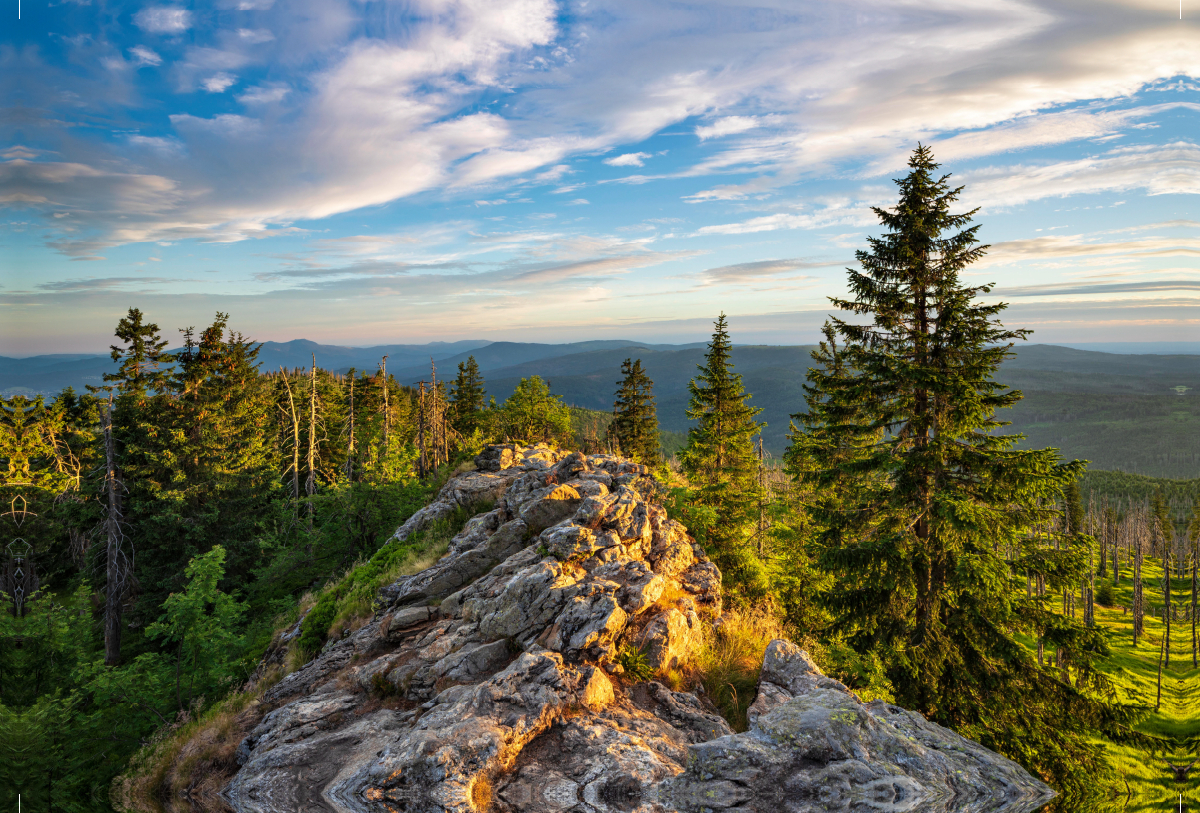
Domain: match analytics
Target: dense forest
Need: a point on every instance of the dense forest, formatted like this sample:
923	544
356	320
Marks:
161	529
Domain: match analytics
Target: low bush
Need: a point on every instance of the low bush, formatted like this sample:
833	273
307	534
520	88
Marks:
634	662
1106	596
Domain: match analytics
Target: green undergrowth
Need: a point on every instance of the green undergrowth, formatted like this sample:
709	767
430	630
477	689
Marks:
347	602
1144	779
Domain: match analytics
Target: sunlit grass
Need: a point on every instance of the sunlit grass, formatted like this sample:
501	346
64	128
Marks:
1134	673
730	659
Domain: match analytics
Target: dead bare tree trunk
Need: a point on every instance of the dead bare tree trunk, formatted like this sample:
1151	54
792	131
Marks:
1195	549
1041	591
387	408
1139	607
295	440
117	563
1116	553
310	482
350	444
433	429
1158	696
762	499
1166	563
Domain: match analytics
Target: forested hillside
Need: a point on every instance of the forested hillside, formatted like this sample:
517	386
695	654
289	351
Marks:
1120	412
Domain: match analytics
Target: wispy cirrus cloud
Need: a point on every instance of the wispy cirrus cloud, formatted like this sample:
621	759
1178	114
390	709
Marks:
629	159
389	114
760	270
95	285
143	56
1069	246
454	129
1103	288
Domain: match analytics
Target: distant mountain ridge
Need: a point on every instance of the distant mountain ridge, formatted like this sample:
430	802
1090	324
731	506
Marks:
1120	411
49	374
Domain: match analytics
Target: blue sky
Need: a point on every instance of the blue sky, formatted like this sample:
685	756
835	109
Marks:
369	172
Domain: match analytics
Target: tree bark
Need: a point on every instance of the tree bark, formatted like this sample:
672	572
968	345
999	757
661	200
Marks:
295	439
114	555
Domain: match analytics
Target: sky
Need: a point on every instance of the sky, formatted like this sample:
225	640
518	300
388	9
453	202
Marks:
365	171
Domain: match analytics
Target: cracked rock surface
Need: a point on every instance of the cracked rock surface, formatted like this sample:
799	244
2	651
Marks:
487	682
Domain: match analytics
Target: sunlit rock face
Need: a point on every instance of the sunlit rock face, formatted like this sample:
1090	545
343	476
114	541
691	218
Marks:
489	681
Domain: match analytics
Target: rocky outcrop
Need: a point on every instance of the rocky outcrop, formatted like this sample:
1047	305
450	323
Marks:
813	746
489	681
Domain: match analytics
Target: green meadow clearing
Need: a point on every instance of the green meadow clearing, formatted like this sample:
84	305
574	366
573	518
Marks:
1148	782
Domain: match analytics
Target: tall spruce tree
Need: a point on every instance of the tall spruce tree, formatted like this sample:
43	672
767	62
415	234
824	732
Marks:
137	448
466	398
915	494
635	421
721	463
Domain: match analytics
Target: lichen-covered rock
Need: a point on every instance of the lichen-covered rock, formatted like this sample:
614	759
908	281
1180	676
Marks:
670	638
814	747
550	507
483	682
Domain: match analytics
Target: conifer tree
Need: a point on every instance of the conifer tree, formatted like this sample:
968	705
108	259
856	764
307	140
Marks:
144	360
218	463
635	422
466	397
721	462
137	443
915	493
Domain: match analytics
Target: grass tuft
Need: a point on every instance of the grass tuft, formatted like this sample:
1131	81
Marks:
730	658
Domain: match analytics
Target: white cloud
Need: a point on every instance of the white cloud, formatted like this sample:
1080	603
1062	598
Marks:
553	174
1158	169
578	202
264	94
226	125
1063	246
218	83
163	20
164	146
456	102
761	270
252	36
729	125
142	56
629	159
601	267
764	223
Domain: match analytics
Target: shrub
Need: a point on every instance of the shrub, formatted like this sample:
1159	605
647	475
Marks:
862	674
533	414
634	662
1106	596
382	687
